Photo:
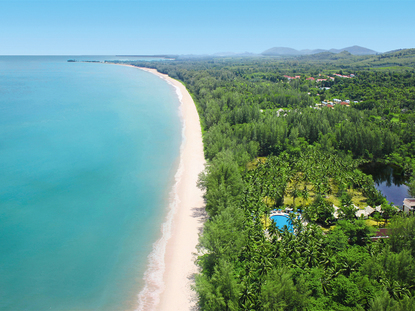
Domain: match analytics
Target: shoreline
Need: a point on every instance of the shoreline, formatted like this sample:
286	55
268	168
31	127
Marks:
168	283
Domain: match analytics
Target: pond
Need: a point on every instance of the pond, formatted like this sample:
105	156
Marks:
389	180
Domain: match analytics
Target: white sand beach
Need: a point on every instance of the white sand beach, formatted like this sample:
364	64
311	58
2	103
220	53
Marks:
189	215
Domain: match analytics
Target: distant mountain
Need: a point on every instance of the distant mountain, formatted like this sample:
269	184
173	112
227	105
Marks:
393	51
307	52
281	51
224	54
354	50
232	54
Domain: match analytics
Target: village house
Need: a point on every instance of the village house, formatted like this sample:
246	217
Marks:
292	78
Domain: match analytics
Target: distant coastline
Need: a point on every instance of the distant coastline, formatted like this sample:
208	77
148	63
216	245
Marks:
150	56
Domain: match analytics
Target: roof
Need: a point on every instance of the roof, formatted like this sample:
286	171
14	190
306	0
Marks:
289	77
409	202
381	234
365	212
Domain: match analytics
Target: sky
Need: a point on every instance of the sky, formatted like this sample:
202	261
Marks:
108	27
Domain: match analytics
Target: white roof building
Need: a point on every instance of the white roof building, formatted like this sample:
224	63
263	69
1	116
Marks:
409	205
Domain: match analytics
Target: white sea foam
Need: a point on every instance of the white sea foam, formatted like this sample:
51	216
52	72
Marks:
149	297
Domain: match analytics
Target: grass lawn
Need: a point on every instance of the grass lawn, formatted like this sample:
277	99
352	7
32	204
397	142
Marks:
373	223
358	198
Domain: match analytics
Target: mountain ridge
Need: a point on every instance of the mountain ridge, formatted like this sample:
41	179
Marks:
354	50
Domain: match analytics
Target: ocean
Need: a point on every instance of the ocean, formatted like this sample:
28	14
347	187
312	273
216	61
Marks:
88	156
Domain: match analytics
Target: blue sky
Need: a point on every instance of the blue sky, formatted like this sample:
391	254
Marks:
107	27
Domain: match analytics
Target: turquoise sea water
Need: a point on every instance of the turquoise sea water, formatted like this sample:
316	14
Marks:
88	154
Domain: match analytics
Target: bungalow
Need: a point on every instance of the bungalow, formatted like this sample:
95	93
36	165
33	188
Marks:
311	79
365	213
408	205
381	234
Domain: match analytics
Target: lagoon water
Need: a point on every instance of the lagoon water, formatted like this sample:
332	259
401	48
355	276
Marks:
88	154
390	181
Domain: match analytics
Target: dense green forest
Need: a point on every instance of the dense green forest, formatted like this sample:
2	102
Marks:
271	144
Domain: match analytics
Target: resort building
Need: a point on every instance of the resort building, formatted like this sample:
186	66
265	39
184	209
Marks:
408	205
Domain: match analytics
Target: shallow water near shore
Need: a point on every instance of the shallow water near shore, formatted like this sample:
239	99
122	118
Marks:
88	154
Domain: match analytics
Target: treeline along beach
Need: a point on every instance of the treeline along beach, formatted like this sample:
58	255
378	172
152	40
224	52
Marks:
290	136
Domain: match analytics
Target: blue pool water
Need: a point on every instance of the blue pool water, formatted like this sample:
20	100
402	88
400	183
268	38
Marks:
281	221
88	154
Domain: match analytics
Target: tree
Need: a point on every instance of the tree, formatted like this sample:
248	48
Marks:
223	237
320	211
222	182
388	210
402	234
337	239
358	232
382	302
347	210
345	292
278	292
221	291
377	217
411	186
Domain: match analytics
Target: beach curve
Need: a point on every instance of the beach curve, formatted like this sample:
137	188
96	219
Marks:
171	269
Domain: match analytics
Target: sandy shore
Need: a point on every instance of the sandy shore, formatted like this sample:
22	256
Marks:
188	217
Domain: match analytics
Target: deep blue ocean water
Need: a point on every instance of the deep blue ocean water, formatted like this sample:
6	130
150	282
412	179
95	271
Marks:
88	154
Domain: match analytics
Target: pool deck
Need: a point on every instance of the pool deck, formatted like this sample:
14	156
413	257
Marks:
278	213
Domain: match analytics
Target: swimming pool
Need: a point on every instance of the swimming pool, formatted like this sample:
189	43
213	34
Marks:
281	221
